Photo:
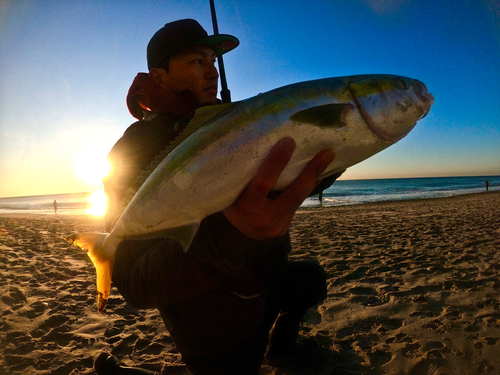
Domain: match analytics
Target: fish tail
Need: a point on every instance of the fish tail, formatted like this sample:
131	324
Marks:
94	243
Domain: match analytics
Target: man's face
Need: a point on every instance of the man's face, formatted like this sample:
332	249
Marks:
194	70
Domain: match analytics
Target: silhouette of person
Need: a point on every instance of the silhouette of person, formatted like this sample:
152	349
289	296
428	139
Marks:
487	184
320	198
55	206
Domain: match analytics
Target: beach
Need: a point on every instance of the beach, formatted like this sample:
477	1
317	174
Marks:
413	288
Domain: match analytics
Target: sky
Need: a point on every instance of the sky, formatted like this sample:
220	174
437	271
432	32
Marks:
66	67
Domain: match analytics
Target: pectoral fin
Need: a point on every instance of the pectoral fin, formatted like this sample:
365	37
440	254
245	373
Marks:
184	235
329	115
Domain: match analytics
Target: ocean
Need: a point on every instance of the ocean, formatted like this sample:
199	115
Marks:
72	204
343	192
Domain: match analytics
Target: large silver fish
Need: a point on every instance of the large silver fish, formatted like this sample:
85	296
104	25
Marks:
356	116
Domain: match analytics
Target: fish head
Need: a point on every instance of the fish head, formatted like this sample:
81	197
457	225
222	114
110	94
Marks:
390	105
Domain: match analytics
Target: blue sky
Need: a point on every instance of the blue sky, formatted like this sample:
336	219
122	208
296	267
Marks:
66	66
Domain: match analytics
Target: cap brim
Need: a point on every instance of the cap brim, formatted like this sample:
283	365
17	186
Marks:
221	43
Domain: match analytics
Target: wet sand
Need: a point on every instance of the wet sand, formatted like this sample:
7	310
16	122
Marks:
413	288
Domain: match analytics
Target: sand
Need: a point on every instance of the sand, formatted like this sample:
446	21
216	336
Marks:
413	288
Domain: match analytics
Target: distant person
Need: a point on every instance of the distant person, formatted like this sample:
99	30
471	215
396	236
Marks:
487	184
320	198
55	206
219	299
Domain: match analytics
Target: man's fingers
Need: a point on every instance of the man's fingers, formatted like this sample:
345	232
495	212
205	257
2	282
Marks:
258	217
270	170
308	179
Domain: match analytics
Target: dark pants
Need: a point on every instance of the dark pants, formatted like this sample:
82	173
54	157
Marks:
289	298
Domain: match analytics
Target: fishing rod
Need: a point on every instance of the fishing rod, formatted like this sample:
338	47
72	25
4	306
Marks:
225	93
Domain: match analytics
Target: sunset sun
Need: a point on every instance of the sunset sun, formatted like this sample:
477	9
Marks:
91	165
98	203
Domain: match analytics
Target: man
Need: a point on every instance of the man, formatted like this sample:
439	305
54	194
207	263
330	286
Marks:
220	299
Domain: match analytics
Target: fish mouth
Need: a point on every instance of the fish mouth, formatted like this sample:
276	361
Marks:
425	96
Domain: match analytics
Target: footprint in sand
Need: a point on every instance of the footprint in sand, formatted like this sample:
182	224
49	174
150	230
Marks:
379	325
428	366
367	296
14	298
50	323
34	310
125	346
431	357
411	349
18	343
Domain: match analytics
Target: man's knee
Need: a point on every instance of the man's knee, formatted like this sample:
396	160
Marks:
312	279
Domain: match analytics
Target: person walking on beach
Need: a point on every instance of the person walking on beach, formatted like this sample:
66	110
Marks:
487	184
234	297
55	206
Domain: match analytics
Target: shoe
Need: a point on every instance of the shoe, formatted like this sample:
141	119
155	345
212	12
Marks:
106	364
301	350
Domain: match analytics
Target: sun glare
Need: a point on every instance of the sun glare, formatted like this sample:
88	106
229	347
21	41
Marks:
98	201
91	165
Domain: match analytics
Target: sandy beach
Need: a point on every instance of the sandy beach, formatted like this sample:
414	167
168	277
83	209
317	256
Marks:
414	288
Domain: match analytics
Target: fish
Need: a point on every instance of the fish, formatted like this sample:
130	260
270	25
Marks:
356	116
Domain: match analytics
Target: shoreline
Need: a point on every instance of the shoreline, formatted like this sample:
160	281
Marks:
29	215
413	288
301	209
396	201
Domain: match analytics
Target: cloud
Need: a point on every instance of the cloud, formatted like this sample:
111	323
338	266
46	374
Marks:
492	7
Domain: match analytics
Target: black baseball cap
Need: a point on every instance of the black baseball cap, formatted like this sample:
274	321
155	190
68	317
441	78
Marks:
178	35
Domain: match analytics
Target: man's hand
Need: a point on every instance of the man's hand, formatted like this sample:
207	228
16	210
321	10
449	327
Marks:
259	217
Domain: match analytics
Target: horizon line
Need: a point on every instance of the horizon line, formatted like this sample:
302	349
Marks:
340	179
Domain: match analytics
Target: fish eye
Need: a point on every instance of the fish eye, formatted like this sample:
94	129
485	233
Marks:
403	83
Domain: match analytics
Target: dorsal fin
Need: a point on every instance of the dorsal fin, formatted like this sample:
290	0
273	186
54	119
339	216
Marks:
203	114
183	234
200	118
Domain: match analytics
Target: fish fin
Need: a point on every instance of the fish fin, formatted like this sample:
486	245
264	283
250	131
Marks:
104	271
337	171
89	242
93	243
329	115
184	234
203	114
